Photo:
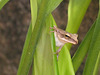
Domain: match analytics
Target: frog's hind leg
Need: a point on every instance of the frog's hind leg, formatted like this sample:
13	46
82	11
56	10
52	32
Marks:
57	52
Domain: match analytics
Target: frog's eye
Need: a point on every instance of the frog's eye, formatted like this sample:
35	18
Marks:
67	36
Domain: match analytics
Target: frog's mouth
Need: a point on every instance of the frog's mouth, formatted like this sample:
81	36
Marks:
72	41
72	38
69	39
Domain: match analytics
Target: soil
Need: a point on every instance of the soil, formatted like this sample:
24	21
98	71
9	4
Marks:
15	18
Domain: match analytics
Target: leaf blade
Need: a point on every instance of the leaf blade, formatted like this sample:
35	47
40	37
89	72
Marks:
94	50
2	3
76	7
82	49
35	34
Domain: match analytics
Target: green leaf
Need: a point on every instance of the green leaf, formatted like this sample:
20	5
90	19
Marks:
44	9
94	50
65	62
76	7
44	53
76	12
82	49
55	62
25	69
2	3
43	64
97	66
34	11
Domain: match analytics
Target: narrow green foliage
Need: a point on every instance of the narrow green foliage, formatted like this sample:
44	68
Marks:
94	50
44	52
82	49
65	62
33	12
29	49
43	64
22	68
76	12
38	38
39	45
2	3
97	66
55	62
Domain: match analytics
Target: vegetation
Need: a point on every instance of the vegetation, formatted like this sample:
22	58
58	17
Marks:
40	44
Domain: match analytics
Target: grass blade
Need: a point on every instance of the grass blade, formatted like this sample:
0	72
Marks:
94	50
46	7
65	62
43	64
34	11
82	49
2	3
43	52
97	66
55	62
22	68
76	7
